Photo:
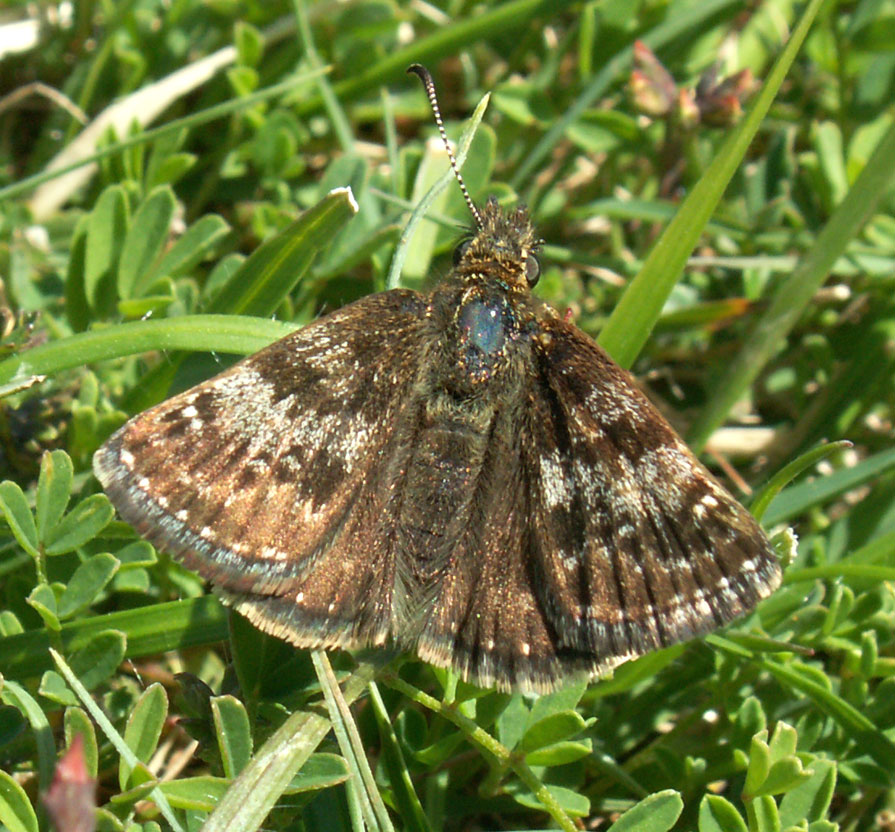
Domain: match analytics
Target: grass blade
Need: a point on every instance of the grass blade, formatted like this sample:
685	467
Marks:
796	293
633	318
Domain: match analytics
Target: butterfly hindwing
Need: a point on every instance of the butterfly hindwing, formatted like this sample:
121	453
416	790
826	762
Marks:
486	621
264	478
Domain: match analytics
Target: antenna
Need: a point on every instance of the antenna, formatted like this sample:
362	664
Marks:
423	74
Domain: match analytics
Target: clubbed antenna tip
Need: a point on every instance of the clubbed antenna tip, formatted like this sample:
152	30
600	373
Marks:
429	85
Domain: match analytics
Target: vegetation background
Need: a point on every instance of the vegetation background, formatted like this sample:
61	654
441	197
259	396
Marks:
218	123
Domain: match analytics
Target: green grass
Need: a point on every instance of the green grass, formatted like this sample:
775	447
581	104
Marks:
743	268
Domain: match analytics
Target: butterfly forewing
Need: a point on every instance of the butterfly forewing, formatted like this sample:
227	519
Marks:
639	546
265	478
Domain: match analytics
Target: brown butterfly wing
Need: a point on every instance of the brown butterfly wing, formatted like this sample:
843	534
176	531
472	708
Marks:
488	621
638	545
597	536
268	479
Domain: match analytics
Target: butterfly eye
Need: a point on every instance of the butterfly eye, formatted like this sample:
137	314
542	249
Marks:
532	269
460	251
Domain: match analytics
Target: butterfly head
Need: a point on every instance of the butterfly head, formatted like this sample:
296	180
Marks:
503	246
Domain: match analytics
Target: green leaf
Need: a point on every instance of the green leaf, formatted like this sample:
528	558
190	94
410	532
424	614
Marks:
52	686
194	245
783	742
16	812
224	333
107	821
811	799
12	693
789	472
88	580
76	721
144	727
53	490
231	724
10	624
763	815
99	658
782	776
719	815
869	653
552	729
877	745
18	516
243	79
257	658
146	237
321	771
560	753
656	813
274	268
84	522
274	147
143	780
76	309
170	169
412	729
822	826
249	43
106	229
490	707
142	784
750	719
564	699
43	599
149	304
512	722
201	793
137	555
572	803
828	145
759	763
631	673
440	750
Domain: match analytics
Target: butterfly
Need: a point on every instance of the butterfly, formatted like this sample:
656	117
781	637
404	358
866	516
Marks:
461	473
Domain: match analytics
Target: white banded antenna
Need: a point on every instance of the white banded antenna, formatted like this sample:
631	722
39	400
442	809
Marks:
423	74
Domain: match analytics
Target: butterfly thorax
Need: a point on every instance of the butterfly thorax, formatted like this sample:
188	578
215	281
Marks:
483	321
484	313
464	396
